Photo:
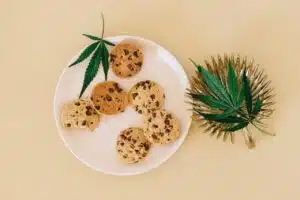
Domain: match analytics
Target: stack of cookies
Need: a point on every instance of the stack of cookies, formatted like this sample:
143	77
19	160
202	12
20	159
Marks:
109	98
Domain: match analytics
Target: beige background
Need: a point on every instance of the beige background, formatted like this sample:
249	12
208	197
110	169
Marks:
38	37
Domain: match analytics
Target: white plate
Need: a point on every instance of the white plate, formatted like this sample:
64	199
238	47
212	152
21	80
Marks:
97	149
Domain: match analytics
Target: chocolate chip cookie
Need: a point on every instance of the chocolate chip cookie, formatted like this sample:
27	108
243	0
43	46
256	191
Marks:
146	96
79	114
161	127
126	60
132	146
109	98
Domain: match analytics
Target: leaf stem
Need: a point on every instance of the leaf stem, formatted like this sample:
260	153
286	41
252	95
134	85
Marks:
103	25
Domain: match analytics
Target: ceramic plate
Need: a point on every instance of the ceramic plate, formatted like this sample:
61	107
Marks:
97	149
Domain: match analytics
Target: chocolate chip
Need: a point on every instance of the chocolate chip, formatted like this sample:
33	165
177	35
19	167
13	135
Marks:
154	126
167	122
125	156
68	125
147	146
76	112
138	64
144	154
169	139
168	116
111	90
112	57
135	53
157	103
154	137
120	90
161	133
140	111
117	64
123	137
154	114
136	151
88	113
136	108
122	143
126	52
152	96
149	120
168	130
84	122
130	57
77	103
134	95
92	98
129	66
119	150
88	107
97	107
108	98
119	109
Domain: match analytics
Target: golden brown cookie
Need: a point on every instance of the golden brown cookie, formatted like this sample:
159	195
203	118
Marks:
132	146
161	127
126	59
80	114
109	98
146	96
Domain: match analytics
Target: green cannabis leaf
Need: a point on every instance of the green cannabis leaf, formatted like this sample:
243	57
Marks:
91	70
226	99
232	83
214	84
99	53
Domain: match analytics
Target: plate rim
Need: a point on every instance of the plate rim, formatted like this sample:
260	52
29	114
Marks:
166	158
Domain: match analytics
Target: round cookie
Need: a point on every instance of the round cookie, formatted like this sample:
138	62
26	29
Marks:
132	146
108	98
126	60
79	114
146	96
161	127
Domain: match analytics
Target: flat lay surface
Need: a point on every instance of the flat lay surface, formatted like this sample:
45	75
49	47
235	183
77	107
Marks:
38	39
